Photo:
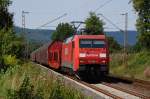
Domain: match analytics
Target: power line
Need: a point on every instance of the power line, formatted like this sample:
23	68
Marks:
53	20
111	22
109	28
50	26
101	6
130	1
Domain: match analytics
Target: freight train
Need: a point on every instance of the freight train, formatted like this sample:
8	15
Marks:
79	54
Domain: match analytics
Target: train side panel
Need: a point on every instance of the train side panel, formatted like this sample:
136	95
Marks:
76	54
41	55
54	57
44	55
67	55
70	51
32	56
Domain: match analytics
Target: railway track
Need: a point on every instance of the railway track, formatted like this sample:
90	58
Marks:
113	91
96	88
135	87
142	96
134	81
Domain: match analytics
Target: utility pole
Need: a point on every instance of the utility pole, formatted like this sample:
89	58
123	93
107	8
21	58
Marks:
125	35
125	39
24	34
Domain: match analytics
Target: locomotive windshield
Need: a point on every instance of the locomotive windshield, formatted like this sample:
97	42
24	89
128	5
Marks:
89	43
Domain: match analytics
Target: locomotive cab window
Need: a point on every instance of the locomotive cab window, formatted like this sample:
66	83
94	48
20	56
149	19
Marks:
89	43
98	44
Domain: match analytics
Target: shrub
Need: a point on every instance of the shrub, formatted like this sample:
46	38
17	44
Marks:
10	60
26	91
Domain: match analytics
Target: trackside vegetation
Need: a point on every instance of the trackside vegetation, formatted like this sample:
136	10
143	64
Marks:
29	81
142	7
137	64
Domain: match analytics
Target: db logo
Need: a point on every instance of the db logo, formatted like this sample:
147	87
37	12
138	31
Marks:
93	55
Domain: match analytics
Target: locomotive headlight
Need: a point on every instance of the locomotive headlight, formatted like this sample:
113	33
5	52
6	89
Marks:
82	55
102	55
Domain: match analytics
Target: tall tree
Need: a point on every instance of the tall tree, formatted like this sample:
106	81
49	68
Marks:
6	20
142	7
63	31
10	44
94	25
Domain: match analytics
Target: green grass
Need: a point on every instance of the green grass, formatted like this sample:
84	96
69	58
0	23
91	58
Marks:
136	65
43	84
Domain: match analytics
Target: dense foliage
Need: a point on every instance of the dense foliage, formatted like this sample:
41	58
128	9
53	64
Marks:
5	17
10	44
26	91
137	63
94	25
29	81
142	7
63	31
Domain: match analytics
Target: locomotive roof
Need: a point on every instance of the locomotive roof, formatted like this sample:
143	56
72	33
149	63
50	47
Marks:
85	37
91	36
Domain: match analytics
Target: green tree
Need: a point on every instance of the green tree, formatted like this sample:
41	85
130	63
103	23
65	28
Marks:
6	20
10	44
63	31
142	7
94	25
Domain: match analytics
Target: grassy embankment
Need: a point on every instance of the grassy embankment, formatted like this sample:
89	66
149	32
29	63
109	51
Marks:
29	80
137	63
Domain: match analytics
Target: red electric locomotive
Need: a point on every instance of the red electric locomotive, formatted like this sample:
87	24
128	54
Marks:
86	53
79	53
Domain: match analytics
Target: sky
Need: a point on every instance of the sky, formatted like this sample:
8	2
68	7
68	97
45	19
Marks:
42	11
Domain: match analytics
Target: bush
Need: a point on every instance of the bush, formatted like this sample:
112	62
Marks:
57	91
60	91
26	91
136	64
10	60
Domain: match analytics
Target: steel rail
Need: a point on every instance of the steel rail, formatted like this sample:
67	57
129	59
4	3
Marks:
139	82
127	91
96	88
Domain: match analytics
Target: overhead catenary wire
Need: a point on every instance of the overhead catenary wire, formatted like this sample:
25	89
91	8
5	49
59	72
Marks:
101	6
52	20
50	26
130	1
111	22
